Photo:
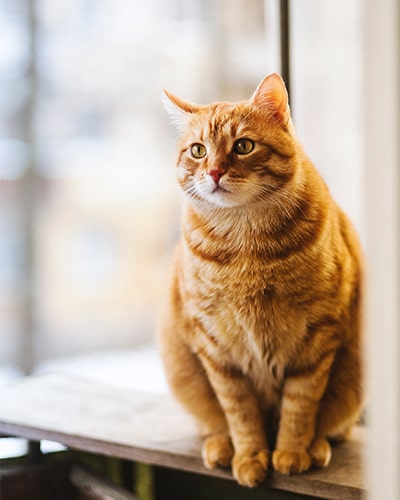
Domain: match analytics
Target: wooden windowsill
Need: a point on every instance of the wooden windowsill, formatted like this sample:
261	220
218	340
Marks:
147	428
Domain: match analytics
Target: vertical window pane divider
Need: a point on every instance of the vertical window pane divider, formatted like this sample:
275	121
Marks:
29	194
284	35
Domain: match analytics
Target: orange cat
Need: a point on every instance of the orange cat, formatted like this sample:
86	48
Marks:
261	337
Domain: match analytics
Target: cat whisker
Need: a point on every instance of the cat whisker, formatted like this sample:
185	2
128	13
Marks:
191	190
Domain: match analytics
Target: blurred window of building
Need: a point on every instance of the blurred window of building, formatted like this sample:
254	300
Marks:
94	258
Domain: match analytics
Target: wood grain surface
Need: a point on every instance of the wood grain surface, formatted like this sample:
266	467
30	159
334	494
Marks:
148	428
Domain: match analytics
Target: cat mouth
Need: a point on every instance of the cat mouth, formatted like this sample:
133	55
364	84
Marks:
220	189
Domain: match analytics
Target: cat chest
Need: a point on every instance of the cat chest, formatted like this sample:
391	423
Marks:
250	317
262	366
244	322
253	344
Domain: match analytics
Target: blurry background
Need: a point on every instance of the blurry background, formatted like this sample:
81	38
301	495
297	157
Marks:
89	210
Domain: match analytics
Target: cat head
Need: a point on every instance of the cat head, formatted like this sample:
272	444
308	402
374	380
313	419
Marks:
231	154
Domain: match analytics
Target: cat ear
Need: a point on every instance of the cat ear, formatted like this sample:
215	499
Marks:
179	109
271	95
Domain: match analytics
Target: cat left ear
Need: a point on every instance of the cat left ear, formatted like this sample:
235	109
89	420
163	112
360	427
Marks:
179	109
271	95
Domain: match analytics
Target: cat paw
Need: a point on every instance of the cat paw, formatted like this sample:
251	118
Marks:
321	452
250	470
217	451
291	461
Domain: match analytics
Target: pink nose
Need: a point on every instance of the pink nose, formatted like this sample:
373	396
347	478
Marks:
216	174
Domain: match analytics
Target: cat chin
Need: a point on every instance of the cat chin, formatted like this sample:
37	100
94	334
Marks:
217	197
221	199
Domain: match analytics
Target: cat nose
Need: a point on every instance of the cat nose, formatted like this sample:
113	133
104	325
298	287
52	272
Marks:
216	174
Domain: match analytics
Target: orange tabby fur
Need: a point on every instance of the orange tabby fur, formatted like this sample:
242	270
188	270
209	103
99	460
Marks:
261	333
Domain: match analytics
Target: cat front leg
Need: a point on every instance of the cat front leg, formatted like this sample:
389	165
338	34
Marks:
239	403
302	392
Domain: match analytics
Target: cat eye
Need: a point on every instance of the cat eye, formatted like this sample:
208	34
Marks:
198	150
243	146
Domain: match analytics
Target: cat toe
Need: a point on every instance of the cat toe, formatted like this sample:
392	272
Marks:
321	452
251	470
291	461
217	451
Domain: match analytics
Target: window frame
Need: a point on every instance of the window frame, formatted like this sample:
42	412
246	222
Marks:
382	210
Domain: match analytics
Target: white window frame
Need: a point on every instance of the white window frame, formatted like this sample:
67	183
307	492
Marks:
382	202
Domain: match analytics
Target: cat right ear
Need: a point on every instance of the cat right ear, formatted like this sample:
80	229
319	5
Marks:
179	109
271	95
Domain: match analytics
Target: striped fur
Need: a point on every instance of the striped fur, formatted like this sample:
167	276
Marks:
261	332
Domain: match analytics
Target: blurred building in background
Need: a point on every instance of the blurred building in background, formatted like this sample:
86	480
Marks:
88	202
